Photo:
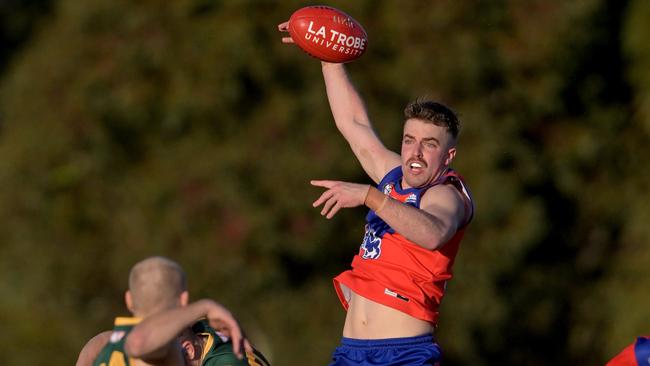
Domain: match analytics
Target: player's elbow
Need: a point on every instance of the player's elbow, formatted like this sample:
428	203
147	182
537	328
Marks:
431	243
435	239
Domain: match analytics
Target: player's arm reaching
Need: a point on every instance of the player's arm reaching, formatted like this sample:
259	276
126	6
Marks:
151	338
441	208
441	211
352	120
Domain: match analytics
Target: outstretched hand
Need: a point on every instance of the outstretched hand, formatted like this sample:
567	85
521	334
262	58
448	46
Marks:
339	195
284	27
223	321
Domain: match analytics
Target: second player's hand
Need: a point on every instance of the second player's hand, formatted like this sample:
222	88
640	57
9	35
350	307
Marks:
339	195
222	320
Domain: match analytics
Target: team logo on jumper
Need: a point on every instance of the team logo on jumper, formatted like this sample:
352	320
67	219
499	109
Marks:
412	198
117	336
371	245
388	188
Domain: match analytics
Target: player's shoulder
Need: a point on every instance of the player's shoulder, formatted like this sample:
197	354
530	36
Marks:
443	191
452	186
258	359
446	200
93	348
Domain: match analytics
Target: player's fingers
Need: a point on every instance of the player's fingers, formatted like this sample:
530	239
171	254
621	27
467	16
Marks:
236	348
248	347
240	348
323	197
287	40
322	183
224	321
218	324
237	339
328	206
334	210
284	26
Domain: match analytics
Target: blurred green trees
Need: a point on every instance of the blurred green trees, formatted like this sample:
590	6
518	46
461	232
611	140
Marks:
187	129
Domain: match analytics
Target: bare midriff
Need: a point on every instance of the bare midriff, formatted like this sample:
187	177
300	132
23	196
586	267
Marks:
367	319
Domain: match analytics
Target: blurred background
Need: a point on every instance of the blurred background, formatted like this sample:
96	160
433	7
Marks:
187	129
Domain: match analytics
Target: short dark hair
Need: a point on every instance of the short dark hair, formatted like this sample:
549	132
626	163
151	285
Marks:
434	112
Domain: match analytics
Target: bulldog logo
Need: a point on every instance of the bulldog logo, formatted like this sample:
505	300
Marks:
371	245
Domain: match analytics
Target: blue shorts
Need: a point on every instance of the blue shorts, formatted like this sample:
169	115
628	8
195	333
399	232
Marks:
411	351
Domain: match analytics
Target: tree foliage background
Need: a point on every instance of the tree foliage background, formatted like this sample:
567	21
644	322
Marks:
186	129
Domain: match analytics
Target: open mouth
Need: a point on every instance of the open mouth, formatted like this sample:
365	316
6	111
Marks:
416	166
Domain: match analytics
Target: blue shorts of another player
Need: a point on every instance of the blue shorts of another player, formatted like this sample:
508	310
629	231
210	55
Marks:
420	351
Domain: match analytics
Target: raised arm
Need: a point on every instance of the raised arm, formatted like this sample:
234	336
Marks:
151	338
352	120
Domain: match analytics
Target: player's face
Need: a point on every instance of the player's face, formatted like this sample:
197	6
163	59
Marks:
427	150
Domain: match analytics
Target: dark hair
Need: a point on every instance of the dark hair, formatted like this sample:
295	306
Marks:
434	112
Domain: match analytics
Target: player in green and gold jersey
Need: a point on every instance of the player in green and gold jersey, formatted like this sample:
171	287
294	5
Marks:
203	345
156	284
113	353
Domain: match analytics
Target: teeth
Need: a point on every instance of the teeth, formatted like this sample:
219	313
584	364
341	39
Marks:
416	165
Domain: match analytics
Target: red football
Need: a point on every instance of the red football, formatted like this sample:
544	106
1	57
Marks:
328	34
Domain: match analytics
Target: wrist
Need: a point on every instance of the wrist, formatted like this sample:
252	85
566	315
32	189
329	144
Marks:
375	200
330	65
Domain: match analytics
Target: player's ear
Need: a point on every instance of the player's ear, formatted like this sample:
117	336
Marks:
184	298
451	154
128	299
189	349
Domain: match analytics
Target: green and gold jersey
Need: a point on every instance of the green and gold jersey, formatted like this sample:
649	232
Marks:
113	352
217	349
